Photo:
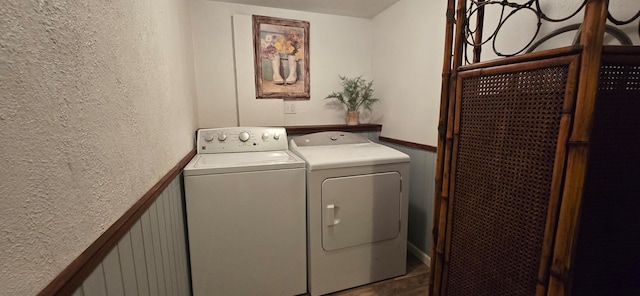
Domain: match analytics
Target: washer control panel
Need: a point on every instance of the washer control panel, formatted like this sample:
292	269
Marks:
241	139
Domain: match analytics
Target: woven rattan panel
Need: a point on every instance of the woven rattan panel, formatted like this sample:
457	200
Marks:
507	140
607	260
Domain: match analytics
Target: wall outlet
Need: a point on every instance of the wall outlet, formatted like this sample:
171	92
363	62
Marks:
290	107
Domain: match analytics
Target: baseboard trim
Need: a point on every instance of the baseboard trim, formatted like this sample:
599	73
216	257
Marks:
75	273
419	254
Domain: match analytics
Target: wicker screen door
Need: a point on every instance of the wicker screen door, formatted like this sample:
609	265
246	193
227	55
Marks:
510	128
606	258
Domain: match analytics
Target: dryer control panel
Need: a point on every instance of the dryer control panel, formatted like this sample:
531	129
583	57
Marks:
241	139
329	138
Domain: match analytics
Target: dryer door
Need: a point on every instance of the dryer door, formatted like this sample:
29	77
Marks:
360	209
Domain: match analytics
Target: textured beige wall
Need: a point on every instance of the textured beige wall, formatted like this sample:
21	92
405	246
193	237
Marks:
97	103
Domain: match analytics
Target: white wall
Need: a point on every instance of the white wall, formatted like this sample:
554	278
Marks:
407	65
98	103
338	45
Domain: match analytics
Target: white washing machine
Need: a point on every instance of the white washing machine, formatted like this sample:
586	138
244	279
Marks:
357	206
245	207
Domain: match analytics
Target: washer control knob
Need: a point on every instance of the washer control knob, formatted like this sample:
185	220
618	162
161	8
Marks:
276	136
222	137
265	136
208	137
243	136
334	138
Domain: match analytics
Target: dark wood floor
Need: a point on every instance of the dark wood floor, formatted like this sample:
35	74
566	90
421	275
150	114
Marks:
411	284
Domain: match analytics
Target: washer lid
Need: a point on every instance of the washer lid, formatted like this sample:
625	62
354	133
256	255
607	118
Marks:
349	155
203	164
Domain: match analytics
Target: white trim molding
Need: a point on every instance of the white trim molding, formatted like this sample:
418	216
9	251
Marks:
419	254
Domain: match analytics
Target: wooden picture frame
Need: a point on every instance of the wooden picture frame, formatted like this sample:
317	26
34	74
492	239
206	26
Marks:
280	45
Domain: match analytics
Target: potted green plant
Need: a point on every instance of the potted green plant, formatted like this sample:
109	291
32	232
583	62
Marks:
356	94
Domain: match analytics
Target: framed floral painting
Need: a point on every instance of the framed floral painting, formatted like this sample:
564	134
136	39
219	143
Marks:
281	49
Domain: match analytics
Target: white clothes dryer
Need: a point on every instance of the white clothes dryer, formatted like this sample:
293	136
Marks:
357	207
245	208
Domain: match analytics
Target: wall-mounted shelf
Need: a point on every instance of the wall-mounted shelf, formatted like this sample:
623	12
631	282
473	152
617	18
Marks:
307	129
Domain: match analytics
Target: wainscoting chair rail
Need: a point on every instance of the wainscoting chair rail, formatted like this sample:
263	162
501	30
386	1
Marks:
73	275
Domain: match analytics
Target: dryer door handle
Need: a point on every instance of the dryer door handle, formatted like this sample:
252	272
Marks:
331	215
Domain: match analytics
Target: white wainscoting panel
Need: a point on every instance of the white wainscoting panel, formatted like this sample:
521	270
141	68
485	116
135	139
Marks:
421	191
151	259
